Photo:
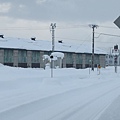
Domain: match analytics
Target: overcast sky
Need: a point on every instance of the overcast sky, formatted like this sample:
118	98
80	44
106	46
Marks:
27	18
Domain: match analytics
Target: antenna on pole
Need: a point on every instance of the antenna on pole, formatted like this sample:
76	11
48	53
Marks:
93	28
53	26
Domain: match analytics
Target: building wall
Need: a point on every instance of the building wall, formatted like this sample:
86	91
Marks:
102	60
32	58
2	56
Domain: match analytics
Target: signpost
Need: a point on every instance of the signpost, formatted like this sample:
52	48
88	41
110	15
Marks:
116	56
99	69
117	23
115	63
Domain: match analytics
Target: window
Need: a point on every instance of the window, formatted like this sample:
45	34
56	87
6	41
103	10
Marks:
8	56
78	59
96	59
22	56
35	57
88	59
69	58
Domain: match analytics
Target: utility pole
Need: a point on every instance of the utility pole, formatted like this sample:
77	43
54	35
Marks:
93	28
53	26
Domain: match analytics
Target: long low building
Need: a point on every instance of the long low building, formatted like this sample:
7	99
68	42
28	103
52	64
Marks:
25	53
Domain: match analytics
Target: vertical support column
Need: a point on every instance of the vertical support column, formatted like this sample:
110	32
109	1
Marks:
59	62
83	60
29	58
41	59
64	60
74	60
15	58
102	60
2	56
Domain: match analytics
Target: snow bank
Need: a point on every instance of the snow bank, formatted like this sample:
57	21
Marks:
72	94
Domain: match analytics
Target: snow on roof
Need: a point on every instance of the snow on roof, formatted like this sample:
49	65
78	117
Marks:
28	44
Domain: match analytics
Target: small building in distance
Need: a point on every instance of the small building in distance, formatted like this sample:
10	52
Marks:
25	53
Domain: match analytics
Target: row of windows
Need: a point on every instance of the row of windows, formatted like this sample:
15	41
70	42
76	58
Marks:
79	59
35	57
22	56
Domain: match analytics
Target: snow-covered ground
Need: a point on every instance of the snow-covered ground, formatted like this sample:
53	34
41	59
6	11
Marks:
72	94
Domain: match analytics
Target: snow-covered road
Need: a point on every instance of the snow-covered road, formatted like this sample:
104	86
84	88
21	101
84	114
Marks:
60	99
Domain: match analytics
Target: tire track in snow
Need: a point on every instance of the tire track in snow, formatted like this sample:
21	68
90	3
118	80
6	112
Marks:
73	110
27	109
23	95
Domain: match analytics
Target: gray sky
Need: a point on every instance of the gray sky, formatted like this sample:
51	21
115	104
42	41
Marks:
27	18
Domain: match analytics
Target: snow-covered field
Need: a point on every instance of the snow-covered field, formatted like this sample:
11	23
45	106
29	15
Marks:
72	94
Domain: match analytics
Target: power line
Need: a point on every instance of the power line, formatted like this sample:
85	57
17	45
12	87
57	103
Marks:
59	27
83	40
72	26
105	42
42	27
31	29
110	27
106	34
